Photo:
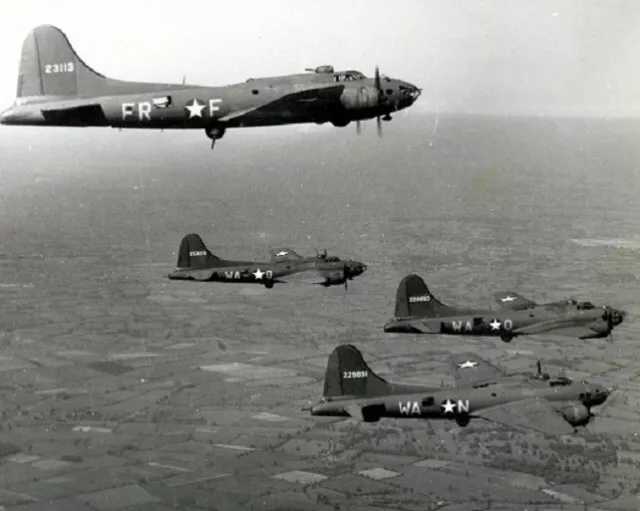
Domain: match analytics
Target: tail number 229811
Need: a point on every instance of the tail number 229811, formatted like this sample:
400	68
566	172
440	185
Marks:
354	374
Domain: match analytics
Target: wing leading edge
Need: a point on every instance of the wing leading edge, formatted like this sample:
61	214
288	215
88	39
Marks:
535	414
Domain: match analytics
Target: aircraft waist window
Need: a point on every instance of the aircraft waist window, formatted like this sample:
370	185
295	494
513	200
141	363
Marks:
561	381
162	102
428	401
586	306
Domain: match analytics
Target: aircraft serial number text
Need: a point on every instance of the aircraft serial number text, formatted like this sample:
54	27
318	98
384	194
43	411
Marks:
63	67
354	374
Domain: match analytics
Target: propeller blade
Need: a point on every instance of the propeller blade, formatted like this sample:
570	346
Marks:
379	126
615	391
358	128
376	80
213	143
539	366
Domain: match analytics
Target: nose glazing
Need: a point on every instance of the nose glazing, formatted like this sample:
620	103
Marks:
409	91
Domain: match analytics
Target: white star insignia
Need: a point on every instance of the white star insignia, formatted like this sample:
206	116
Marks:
282	253
449	406
195	108
258	274
508	299
468	363
495	324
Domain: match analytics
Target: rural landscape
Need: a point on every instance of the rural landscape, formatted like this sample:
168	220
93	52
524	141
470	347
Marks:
123	390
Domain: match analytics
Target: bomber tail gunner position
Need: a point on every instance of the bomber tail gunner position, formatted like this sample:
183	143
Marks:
57	88
419	312
196	262
483	391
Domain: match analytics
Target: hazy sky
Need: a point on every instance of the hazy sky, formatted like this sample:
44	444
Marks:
496	56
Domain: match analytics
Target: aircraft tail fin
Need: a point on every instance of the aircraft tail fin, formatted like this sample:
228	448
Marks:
193	253
348	374
49	66
413	299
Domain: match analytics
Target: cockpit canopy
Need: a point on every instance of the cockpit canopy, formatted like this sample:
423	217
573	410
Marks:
330	259
339	76
349	76
581	305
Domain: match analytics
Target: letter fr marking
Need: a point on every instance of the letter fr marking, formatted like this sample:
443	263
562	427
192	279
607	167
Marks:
143	108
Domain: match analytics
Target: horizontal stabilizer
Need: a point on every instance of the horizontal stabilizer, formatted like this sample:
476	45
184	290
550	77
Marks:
417	326
355	411
85	115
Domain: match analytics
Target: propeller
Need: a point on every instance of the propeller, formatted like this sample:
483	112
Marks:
611	316
613	392
346	277
610	325
381	98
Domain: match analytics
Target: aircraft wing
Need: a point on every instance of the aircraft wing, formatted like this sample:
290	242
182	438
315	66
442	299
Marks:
555	325
535	414
283	254
470	369
76	114
201	275
310	276
512	301
318	98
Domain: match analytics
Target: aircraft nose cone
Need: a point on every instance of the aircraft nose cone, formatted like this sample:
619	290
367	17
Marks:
355	268
618	316
413	91
600	395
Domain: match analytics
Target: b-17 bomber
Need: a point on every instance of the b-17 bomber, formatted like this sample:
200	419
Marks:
57	88
196	262
417	311
535	401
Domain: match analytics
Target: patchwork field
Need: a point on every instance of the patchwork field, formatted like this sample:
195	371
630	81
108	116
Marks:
123	390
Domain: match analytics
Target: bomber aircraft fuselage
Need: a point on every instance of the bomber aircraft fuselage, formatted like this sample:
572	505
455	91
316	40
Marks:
56	88
483	391
419	312
196	262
